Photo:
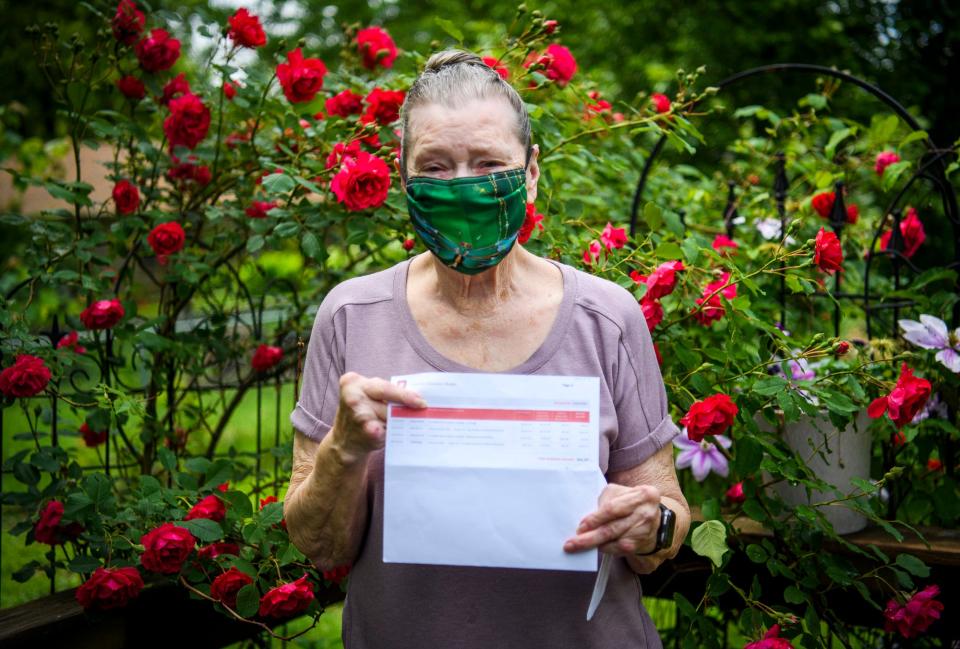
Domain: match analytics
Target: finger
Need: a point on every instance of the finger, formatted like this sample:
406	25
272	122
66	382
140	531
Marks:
600	536
382	390
618	507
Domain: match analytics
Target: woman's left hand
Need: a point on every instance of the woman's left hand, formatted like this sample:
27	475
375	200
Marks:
626	522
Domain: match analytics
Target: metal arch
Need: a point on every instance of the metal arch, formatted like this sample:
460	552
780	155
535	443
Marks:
938	176
949	197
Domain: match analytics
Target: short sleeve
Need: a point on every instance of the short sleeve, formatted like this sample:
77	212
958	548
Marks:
322	368
640	397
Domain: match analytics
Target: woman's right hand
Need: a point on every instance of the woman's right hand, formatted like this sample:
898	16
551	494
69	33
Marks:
361	421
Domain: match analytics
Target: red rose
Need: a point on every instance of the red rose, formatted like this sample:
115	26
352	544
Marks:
884	160
724	245
166	548
166	239
612	237
208	552
822	203
735	493
905	400
710	416
266	357
229	91
209	507
70	342
916	615
933	464
93	437
531	222
245	29
174	88
827	254
345	103
259	209
911	229
110	588
383	106
27	377
558	63
188	121
49	530
771	640
728	290
662	281
711	310
102	314
341	152
842	348
592	253
158	51
853	213
338	574
131	87
597	107
656	352
128	22
408	244
652	312
550	26
287	600
898	438
500	69
126	197
362	182
376	47
661	103
183	172
225	587
300	78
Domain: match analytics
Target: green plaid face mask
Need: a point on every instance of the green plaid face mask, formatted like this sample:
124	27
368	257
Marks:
469	223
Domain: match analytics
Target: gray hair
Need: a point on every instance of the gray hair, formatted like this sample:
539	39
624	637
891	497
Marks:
452	77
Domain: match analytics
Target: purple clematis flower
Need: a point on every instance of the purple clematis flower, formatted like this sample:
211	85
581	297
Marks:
931	333
702	457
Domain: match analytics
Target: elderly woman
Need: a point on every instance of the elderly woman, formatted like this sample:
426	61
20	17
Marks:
475	302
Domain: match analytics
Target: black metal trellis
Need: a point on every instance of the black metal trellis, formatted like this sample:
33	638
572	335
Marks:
931	168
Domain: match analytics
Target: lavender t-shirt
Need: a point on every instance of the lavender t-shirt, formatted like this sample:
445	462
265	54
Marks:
365	325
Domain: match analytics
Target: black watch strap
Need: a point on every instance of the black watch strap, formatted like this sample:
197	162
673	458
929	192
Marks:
668	522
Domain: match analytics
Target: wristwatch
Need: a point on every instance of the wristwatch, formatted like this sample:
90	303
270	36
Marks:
668	522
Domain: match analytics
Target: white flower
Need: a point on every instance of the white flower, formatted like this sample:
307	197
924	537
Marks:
931	333
769	229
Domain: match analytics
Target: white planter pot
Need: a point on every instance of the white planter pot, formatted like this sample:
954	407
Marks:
834	456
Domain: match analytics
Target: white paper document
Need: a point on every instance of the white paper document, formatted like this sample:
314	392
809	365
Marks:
497	471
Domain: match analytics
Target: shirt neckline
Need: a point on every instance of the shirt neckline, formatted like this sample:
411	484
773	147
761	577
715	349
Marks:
541	355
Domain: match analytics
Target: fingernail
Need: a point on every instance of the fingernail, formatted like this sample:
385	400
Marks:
421	403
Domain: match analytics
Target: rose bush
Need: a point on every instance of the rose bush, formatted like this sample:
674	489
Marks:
221	171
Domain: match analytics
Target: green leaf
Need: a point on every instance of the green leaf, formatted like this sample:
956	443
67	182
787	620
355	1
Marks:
271	514
710	540
239	503
913	565
669	250
450	29
756	553
248	600
770	386
167	459
255	242
278	184
691	250
204	529
837	138
793	595
653	216
310	245
197	464
84	564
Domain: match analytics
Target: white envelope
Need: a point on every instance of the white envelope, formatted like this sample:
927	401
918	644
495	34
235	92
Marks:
498	471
